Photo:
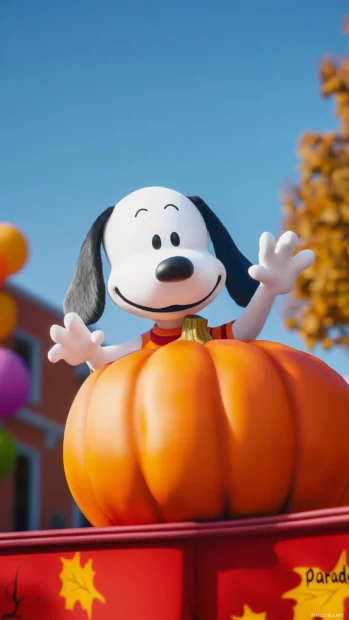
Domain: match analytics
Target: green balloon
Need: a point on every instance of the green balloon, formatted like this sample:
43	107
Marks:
7	453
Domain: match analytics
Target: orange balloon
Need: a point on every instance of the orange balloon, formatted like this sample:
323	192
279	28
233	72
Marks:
13	247
8	315
3	269
208	431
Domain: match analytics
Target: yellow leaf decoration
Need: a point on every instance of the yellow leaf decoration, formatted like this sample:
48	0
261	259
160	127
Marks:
321	592
250	615
77	584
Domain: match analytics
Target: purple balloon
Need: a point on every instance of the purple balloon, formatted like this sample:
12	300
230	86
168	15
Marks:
14	383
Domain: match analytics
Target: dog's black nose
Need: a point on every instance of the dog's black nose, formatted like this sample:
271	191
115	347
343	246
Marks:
174	269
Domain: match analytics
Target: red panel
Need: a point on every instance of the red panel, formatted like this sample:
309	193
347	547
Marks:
176	572
136	583
257	571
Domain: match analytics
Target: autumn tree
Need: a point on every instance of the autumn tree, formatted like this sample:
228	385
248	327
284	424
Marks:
317	210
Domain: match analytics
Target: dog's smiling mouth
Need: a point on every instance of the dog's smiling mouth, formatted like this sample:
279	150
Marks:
174	308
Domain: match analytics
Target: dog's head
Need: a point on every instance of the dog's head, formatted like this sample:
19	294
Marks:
156	241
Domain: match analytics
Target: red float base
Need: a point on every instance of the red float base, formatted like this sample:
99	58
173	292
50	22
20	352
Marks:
280	568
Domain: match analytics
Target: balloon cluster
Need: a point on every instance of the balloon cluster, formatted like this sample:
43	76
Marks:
14	373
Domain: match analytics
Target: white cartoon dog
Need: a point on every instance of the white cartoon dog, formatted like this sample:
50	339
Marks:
157	243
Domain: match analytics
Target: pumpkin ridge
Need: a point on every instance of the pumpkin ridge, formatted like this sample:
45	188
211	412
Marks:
222	437
328	371
334	376
323	376
343	383
239	358
100	371
179	402
120	373
134	399
276	364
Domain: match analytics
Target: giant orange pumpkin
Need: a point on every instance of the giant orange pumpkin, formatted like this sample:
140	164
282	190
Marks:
208	430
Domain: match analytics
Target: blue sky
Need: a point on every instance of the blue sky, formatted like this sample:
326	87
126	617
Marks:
101	98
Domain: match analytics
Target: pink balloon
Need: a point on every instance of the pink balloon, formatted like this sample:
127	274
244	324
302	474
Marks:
14	383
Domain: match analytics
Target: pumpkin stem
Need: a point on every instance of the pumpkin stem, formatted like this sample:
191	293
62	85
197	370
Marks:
195	328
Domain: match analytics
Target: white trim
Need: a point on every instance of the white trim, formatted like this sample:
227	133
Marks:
35	363
34	458
51	429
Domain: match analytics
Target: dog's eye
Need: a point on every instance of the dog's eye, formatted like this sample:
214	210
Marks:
156	242
175	240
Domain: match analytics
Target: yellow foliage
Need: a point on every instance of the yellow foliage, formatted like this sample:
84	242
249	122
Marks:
320	592
250	615
77	584
317	210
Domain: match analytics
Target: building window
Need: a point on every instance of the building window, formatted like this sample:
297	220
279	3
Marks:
82	371
26	489
79	520
22	493
84	521
58	521
29	349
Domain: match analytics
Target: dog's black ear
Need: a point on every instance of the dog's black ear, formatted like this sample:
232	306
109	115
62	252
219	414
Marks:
86	294
241	287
